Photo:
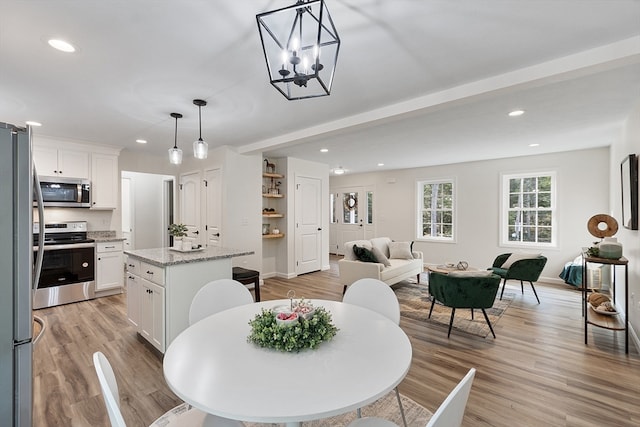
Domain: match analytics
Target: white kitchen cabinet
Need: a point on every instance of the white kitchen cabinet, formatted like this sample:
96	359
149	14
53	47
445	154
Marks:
109	272
104	181
134	294
52	161
152	313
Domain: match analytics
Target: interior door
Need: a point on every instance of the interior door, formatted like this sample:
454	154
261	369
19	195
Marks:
350	204
190	190
213	201
308	231
127	214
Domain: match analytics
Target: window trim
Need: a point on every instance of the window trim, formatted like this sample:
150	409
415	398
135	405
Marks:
504	210
418	211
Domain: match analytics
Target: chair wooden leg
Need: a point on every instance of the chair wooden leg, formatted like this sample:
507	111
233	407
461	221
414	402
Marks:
534	292
504	283
344	289
488	323
433	301
404	420
418	278
453	313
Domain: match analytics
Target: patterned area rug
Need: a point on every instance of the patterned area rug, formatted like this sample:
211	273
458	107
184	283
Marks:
415	304
386	408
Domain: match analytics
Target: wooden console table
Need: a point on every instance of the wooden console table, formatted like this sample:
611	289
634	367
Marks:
612	322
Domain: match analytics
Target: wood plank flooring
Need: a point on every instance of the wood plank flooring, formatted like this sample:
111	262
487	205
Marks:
538	372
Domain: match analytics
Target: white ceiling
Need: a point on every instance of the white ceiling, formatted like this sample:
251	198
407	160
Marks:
418	82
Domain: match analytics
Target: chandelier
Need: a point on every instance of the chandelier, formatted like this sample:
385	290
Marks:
175	154
300	45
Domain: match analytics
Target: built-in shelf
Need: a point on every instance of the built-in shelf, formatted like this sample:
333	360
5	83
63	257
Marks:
272	215
272	236
275	196
272	175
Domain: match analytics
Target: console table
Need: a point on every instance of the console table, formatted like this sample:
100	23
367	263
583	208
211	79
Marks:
612	322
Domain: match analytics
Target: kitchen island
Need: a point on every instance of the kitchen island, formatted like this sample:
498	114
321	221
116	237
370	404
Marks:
161	283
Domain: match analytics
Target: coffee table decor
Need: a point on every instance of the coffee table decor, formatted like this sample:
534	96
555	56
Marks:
292	327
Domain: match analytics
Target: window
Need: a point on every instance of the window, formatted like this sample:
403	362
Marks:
436	210
528	217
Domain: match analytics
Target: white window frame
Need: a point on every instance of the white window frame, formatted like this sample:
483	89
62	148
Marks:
504	210
419	208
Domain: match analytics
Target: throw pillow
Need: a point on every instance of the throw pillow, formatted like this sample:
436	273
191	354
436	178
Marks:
517	257
382	258
400	250
364	254
467	273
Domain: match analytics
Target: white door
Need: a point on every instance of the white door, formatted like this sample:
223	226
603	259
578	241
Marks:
190	191
351	206
213	201
308	230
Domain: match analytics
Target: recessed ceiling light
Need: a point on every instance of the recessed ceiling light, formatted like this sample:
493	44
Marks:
32	123
534	145
61	45
516	113
141	141
324	150
380	164
338	171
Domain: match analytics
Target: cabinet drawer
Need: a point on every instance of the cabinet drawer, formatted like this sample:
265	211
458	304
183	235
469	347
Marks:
133	266
108	247
152	273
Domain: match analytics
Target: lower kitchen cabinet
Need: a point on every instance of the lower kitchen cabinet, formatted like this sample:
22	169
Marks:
108	265
152	313
134	295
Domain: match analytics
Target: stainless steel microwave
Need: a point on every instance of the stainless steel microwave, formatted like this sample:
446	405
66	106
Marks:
65	192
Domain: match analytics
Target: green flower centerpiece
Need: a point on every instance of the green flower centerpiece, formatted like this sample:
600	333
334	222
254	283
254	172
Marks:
305	333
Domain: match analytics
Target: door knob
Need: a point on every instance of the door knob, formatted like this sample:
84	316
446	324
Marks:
196	232
217	235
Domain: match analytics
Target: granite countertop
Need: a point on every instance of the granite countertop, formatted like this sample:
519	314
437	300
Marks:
104	236
163	257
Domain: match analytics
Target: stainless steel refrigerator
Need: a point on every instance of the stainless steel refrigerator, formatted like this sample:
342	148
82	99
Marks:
17	275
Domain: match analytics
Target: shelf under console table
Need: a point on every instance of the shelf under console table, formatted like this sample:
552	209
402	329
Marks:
612	322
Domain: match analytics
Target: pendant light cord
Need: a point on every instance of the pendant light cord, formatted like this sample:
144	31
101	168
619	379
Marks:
200	121
175	139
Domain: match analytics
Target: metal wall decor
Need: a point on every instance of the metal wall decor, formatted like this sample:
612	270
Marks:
300	45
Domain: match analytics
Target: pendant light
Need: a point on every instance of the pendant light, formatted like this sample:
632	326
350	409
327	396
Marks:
175	154
200	148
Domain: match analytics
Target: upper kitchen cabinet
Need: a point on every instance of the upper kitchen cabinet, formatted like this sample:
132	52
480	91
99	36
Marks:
104	181
52	161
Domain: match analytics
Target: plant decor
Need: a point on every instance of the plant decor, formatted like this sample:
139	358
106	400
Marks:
306	333
178	230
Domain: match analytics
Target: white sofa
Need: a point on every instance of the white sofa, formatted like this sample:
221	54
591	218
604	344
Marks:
352	269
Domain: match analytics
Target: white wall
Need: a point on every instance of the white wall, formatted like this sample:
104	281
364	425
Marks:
629	143
582	191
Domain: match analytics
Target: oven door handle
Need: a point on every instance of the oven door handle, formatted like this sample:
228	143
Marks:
69	246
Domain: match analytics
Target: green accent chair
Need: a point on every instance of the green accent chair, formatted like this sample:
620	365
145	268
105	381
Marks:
524	270
464	292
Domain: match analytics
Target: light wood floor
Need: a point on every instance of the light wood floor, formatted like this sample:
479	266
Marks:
538	372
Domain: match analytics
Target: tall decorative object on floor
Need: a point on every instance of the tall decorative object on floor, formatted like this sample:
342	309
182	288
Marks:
300	45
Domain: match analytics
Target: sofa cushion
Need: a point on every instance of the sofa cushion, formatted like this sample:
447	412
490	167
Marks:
398	267
348	248
364	254
382	243
400	250
382	259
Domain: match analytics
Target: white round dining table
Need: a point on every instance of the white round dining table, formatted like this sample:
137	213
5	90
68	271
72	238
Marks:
212	366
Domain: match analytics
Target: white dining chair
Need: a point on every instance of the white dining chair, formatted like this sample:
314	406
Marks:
183	415
217	296
449	414
377	296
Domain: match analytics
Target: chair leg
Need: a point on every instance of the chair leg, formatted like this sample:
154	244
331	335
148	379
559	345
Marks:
453	313
488	323
504	283
433	301
418	278
404	420
522	287
472	314
534	292
344	289
359	413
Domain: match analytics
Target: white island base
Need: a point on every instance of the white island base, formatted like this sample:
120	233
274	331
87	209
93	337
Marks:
162	283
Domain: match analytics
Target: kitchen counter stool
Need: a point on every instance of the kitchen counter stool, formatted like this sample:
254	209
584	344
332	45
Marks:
246	277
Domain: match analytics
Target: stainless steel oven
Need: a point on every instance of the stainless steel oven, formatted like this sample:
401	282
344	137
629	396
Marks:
68	265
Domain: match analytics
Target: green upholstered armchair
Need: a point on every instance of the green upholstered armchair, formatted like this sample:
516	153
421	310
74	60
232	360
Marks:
528	269
464	292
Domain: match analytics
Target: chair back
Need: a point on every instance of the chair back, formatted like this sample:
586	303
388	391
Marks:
374	295
451	411
464	292
109	388
217	296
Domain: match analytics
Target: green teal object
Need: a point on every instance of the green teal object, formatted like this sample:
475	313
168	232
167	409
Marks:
610	248
524	270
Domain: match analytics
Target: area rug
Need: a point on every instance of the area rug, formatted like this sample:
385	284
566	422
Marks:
415	303
385	407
